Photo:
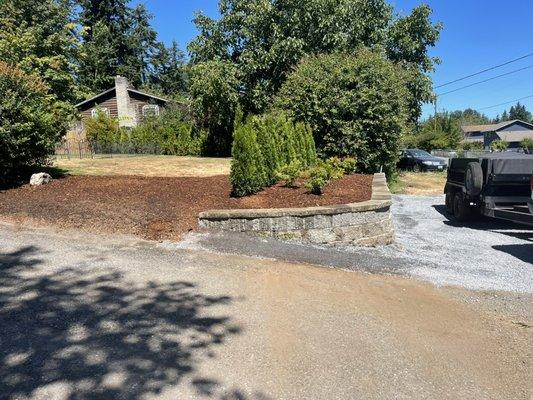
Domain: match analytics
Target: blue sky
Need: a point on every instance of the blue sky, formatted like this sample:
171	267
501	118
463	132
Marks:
477	34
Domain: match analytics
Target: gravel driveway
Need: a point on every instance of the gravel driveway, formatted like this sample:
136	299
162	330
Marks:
485	255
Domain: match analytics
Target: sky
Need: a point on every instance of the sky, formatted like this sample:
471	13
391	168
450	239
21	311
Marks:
477	34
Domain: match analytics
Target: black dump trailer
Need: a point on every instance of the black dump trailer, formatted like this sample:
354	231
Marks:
497	185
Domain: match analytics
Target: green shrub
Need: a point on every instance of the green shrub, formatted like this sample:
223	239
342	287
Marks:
289	173
318	178
170	133
527	145
30	123
282	146
267	133
334	167
247	174
349	165
499	145
356	104
102	131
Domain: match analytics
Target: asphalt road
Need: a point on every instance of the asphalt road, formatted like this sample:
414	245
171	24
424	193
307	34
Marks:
483	255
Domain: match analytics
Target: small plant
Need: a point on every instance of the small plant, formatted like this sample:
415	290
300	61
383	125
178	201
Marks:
349	165
499	145
334	167
527	145
290	173
319	177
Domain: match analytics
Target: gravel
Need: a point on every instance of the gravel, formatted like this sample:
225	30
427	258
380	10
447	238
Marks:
484	255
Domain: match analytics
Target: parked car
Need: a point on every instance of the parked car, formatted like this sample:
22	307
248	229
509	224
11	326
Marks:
420	160
530	201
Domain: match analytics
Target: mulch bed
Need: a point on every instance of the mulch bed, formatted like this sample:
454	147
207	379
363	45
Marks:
155	208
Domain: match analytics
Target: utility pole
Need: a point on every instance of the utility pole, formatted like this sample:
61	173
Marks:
435	117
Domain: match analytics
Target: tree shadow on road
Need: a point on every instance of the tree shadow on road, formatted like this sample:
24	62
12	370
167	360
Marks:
91	334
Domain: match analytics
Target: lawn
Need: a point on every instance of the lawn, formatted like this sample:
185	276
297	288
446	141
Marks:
419	183
162	166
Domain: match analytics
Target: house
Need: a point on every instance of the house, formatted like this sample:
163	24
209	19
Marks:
512	132
122	101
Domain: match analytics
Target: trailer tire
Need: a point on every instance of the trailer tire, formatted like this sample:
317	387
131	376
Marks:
449	201
473	179
461	210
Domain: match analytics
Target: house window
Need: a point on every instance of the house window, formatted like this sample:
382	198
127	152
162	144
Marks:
150	110
94	111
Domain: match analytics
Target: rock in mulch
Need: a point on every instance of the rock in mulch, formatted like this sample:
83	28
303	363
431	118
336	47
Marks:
39	179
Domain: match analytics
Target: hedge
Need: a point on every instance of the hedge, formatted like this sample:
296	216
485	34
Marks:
263	145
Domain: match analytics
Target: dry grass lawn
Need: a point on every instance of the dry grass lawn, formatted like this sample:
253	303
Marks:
162	166
420	183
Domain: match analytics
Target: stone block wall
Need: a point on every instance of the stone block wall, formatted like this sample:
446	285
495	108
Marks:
368	223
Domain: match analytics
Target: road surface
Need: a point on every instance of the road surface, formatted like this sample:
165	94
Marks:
95	317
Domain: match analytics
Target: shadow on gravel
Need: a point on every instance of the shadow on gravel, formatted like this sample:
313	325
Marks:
523	252
488	224
88	333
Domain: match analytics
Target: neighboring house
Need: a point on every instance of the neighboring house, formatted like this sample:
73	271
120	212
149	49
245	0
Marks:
512	132
122	101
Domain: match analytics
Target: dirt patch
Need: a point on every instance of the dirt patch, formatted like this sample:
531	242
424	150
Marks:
155	208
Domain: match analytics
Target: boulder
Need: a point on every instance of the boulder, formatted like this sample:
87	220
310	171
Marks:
40	179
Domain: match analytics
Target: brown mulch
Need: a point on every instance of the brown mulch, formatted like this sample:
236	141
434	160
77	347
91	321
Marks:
155	208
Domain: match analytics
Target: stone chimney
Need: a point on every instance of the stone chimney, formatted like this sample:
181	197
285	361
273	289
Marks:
126	111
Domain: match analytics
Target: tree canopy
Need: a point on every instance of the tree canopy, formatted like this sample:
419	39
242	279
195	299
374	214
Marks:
266	39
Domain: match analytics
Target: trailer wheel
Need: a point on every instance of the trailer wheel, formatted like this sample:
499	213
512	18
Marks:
473	179
461	209
449	201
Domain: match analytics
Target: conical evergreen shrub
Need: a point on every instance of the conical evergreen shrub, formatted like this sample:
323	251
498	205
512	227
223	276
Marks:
247	172
266	138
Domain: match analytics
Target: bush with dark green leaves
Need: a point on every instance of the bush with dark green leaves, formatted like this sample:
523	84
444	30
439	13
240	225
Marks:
355	103
30	124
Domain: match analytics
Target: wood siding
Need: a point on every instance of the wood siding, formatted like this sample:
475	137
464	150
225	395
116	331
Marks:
108	101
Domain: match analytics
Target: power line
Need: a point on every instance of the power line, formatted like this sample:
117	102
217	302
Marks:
486	80
483	71
505	103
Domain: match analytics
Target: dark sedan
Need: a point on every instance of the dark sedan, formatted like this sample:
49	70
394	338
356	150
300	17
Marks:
420	160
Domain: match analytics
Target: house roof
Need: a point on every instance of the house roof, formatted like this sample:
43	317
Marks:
95	97
515	136
492	127
129	90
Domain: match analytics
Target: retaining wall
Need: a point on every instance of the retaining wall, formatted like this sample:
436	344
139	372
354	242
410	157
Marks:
368	223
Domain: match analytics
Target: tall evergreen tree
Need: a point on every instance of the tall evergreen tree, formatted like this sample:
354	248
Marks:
167	73
117	40
520	112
